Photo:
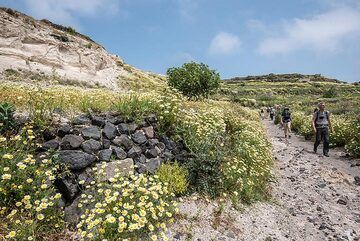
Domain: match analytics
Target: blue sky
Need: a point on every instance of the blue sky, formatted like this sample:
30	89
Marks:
235	37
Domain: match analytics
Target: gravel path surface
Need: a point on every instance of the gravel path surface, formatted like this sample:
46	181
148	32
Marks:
314	198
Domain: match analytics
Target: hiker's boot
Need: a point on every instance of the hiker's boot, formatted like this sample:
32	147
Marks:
326	154
315	150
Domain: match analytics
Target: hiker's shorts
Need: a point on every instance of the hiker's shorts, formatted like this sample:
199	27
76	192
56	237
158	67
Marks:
287	127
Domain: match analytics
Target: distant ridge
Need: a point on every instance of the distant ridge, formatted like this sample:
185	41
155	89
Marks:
295	77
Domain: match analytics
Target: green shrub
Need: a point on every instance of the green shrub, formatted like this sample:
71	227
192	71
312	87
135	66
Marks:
7	121
134	106
28	202
194	80
353	141
246	168
175	176
126	207
331	92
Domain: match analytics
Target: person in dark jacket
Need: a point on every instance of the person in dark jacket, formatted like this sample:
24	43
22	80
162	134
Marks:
286	121
321	125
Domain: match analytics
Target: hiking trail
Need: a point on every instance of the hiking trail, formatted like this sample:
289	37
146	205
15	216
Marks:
313	198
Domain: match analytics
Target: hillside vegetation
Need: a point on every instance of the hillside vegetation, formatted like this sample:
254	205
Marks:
341	99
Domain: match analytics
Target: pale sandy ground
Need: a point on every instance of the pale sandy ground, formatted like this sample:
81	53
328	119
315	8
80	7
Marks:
314	198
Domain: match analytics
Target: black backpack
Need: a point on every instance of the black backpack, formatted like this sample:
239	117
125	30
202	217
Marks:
317	115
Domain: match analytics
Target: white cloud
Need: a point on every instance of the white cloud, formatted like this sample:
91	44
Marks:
64	11
224	43
323	32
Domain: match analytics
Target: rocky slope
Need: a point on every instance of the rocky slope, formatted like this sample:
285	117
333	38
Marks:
52	51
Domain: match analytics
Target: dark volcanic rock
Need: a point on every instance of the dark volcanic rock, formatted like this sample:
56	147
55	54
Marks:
67	186
123	141
49	134
139	137
119	152
109	131
91	146
127	128
342	201
357	180
76	160
151	165
91	132
105	155
106	143
71	142
134	152
98	121
64	130
81	120
52	144
151	153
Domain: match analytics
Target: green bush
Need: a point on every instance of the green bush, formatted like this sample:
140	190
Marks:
331	92
7	121
194	80
175	176
353	141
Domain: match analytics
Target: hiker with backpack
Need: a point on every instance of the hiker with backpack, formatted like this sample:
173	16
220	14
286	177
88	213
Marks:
272	113
286	121
321	125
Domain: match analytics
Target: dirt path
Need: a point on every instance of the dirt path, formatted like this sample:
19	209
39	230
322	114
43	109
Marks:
314	198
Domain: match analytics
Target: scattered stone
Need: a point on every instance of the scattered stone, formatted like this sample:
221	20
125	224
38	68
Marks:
52	144
342	201
322	226
122	167
119	152
161	146
92	132
177	236
98	121
109	131
357	180
105	155
123	141
149	131
75	159
169	144
81	120
141	159
71	142
91	146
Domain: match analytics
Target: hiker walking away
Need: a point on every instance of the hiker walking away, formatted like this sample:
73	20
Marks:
321	125
262	114
272	113
286	121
